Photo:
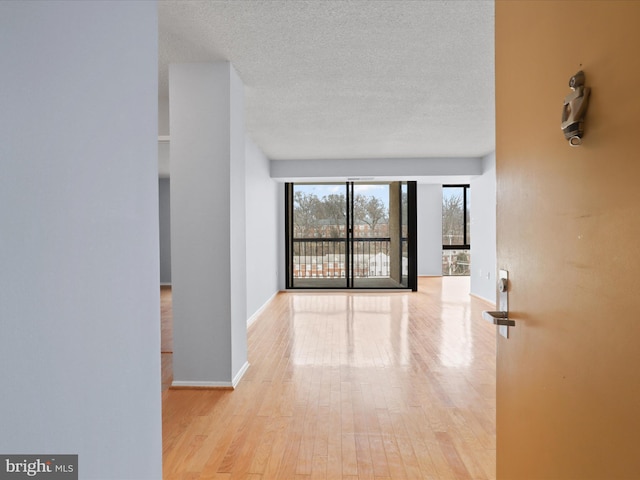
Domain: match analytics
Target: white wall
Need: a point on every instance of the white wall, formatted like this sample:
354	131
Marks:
429	229
79	296
263	204
381	168
163	117
282	254
208	246
164	188
163	143
483	231
263	209
237	225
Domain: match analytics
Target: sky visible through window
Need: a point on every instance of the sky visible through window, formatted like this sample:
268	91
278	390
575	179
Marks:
448	193
380	191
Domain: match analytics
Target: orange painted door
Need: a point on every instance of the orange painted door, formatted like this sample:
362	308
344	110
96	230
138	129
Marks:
568	232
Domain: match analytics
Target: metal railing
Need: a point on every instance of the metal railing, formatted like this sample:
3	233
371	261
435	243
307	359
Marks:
456	262
327	257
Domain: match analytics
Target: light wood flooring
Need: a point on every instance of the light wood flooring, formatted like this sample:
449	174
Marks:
347	386
166	336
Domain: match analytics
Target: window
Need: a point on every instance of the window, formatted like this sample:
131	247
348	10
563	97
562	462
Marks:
349	224
456	230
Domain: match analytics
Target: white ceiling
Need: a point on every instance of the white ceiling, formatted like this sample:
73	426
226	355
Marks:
348	79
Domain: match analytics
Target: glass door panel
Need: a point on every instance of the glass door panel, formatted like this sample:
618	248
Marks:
319	254
370	240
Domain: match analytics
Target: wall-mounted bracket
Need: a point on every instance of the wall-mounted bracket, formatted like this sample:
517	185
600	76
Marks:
574	108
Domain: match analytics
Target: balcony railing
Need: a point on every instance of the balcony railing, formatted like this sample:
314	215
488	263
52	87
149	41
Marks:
456	262
327	258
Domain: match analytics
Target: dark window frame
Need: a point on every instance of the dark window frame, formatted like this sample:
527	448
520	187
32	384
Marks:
466	245
411	239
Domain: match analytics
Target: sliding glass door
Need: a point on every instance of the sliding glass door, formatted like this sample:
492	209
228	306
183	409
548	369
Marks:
317	235
351	235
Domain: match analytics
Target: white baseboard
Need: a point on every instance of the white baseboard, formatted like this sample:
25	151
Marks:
255	316
213	385
194	384
240	374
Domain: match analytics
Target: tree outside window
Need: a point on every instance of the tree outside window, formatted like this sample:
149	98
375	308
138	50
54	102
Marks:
456	258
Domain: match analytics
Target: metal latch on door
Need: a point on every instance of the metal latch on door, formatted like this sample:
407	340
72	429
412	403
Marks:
501	317
498	318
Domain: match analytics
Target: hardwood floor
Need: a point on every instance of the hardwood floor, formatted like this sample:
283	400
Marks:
349	386
166	336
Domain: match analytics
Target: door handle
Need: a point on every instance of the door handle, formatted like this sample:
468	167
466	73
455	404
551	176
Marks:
501	317
498	318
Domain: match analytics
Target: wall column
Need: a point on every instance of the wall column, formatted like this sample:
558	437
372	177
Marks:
208	239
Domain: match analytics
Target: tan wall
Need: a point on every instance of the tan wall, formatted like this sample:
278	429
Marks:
568	400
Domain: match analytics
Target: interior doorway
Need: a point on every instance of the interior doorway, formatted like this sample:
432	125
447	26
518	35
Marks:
351	235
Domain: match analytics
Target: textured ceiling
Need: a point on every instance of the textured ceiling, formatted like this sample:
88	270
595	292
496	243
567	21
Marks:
348	79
